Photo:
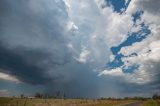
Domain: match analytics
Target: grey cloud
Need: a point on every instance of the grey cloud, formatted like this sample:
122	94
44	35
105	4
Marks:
16	65
32	38
33	47
151	6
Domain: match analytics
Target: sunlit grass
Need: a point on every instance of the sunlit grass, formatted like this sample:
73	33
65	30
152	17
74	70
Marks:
60	102
151	103
70	102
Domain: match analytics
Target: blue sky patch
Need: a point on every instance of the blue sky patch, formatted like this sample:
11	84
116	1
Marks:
117	62
133	37
118	5
130	69
137	15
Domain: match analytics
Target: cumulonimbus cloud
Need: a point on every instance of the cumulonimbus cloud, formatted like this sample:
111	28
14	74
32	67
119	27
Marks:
61	42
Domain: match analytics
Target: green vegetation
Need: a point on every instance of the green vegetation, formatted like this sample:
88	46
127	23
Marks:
151	103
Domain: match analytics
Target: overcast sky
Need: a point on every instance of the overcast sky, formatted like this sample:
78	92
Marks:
85	48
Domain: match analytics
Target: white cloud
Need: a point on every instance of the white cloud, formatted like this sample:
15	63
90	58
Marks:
104	29
67	4
7	77
155	50
148	70
150	7
112	72
98	28
83	55
71	26
147	50
70	46
147	60
138	77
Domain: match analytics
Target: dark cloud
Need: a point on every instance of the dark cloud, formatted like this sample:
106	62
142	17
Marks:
32	39
33	48
16	65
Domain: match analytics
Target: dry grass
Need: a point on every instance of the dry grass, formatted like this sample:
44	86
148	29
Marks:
151	103
60	102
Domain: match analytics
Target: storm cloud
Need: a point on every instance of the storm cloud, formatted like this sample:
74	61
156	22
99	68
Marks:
34	47
31	39
66	44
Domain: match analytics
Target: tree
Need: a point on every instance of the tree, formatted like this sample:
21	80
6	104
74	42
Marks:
38	95
22	96
64	96
58	94
155	96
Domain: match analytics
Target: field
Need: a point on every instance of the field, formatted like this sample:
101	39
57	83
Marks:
151	103
70	102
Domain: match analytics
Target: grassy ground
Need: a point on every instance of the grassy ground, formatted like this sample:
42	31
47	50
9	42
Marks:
70	102
60	102
151	103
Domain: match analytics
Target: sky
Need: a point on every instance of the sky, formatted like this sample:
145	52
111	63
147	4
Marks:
83	48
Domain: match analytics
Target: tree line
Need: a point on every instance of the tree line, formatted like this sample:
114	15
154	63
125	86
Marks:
60	95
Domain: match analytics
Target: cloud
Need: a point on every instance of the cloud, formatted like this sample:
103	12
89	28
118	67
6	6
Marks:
114	31
37	48
147	57
112	72
83	55
151	6
71	26
138	77
37	45
146	51
8	77
17	65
